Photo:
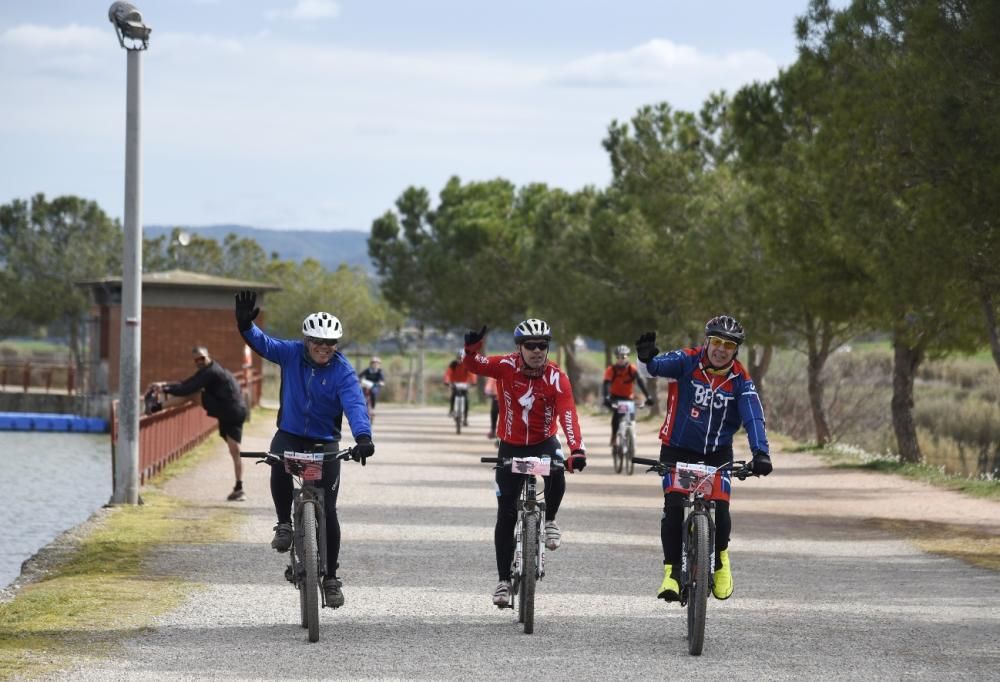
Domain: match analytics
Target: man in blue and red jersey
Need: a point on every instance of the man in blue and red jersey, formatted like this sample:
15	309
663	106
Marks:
535	396
711	396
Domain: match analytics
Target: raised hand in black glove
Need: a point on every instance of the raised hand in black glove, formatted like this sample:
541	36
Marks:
246	309
645	347
363	450
576	461
472	337
760	465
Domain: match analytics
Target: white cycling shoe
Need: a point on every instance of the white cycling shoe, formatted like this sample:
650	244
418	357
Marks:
553	536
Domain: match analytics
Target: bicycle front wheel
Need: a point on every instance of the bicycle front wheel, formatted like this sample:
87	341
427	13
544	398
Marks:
310	556
529	562
629	454
698	576
459	413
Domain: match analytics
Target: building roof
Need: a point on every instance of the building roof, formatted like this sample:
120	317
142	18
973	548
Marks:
185	278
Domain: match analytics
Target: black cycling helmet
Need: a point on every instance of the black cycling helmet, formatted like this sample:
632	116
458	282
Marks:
725	327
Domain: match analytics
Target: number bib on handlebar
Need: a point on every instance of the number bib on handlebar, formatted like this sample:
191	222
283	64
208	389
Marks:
537	466
366	384
625	407
308	465
684	477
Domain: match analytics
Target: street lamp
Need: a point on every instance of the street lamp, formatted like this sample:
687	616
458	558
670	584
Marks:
133	35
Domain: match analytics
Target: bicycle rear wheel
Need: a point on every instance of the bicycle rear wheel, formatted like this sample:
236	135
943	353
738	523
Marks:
629	454
529	562
698	578
310	556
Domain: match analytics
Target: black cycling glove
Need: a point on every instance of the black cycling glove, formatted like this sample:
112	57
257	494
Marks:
576	461
472	337
363	450
246	309
645	347
760	465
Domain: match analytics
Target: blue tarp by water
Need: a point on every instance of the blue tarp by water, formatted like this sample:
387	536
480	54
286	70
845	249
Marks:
38	421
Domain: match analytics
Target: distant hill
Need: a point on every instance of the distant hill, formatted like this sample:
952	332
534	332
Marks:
329	248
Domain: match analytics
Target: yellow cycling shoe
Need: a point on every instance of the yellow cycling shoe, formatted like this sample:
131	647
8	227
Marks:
722	587
669	589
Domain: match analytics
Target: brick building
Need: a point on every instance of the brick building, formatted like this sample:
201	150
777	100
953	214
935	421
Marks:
180	310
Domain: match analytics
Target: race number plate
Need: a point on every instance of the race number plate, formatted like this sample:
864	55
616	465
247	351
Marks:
308	465
536	466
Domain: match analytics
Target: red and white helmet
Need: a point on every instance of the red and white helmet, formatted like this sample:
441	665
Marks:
322	326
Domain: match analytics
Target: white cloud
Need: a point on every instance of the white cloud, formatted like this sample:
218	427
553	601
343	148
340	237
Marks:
61	38
308	9
663	62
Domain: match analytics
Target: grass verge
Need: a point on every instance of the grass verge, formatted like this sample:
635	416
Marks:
957	542
105	592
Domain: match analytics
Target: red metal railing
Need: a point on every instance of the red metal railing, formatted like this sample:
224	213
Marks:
165	436
40	376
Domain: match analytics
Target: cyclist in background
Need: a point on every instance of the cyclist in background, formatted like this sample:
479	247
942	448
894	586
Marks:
533	394
372	380
712	395
619	380
318	386
457	373
490	389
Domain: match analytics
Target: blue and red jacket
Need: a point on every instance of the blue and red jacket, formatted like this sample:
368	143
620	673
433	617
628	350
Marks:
705	409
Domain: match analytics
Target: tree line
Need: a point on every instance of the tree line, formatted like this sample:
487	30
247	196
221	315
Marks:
48	246
856	191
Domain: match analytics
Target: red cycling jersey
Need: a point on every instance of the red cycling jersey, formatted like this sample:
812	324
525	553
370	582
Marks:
529	405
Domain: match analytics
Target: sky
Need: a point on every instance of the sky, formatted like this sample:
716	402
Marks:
317	114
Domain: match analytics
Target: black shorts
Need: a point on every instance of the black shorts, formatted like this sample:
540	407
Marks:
231	429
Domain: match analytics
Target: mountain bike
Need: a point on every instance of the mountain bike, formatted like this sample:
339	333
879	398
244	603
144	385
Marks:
307	556
528	565
366	387
623	448
698	539
461	397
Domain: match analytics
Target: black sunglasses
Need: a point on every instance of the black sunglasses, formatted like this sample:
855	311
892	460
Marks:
536	345
322	342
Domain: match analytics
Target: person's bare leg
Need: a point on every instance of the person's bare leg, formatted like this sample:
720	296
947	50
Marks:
234	451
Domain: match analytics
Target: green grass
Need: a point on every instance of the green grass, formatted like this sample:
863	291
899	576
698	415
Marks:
29	346
105	591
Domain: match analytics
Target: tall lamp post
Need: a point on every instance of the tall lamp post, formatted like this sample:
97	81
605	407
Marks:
133	35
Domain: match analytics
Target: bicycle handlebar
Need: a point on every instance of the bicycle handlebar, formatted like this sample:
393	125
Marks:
505	461
740	468
344	454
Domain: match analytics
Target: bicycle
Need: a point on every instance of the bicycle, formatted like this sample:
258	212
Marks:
528	565
698	539
461	396
366	387
623	448
307	556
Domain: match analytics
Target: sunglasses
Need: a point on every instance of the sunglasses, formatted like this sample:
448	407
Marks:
322	342
536	345
715	342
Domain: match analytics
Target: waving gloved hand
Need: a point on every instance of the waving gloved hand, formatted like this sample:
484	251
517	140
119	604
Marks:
363	450
246	309
576	461
760	465
472	337
645	347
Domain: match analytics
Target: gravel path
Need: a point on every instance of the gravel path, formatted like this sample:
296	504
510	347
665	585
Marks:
820	592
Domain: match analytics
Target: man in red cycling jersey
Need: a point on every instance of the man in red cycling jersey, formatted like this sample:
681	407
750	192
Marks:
457	373
534	396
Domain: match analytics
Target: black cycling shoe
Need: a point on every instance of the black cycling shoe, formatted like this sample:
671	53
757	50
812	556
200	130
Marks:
332	593
282	540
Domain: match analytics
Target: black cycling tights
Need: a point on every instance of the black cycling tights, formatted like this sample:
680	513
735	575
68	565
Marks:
672	527
509	490
282	490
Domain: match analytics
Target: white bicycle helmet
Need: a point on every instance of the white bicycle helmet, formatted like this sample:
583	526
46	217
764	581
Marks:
622	350
322	326
532	328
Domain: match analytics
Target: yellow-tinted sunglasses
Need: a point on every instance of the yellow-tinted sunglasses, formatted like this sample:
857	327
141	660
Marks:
715	342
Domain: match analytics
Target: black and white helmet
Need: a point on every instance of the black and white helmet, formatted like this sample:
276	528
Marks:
532	328
725	327
622	350
322	326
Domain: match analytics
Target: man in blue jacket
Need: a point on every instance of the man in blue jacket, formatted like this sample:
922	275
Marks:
710	396
318	386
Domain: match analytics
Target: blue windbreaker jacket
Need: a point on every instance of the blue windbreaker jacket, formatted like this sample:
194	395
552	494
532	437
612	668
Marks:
701	418
313	397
